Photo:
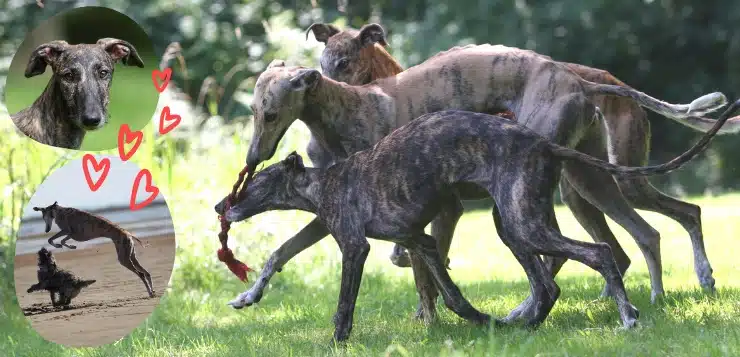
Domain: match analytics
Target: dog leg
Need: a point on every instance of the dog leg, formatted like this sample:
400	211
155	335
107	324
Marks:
141	270
443	230
598	256
540	301
63	242
594	222
308	236
124	250
355	248
36	287
426	288
643	195
425	246
55	236
599	189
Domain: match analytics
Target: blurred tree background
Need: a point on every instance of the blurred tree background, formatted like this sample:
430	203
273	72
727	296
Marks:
675	50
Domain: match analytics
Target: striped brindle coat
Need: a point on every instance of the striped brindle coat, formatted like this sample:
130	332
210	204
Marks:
589	193
542	94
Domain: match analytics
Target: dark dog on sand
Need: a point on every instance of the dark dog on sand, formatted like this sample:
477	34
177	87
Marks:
57	281
395	189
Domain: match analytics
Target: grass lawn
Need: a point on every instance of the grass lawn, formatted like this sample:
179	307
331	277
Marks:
294	318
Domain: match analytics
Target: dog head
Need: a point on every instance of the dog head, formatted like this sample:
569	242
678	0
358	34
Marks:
277	187
82	74
48	213
278	101
46	259
349	54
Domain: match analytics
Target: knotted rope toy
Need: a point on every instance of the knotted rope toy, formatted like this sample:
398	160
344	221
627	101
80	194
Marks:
225	254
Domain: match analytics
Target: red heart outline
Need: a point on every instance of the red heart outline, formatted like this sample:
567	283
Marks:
104	165
167	116
123	137
153	190
161	75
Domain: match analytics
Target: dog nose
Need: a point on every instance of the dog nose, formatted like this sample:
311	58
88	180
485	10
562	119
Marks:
91	121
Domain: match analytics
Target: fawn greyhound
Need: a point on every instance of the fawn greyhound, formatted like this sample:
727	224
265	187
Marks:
83	226
346	58
56	280
76	98
395	189
345	119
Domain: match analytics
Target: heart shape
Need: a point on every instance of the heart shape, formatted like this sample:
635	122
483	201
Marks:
167	116
153	190
161	75
126	136
104	165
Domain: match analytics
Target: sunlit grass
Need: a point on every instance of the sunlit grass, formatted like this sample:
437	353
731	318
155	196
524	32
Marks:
294	317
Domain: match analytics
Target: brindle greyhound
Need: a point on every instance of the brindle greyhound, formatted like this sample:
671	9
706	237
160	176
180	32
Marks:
346	119
346	59
395	189
76	98
83	226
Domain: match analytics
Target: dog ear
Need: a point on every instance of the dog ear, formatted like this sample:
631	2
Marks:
370	34
55	203
277	63
322	32
305	79
43	55
294	162
120	50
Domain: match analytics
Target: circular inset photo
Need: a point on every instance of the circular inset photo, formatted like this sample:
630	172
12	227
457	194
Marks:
79	76
88	269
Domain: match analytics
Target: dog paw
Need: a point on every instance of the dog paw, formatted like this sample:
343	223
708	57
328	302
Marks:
245	299
401	260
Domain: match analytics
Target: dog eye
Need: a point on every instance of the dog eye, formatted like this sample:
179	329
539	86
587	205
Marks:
69	76
342	63
270	117
103	73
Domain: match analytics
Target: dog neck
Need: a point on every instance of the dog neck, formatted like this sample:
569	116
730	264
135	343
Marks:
342	117
309	195
47	120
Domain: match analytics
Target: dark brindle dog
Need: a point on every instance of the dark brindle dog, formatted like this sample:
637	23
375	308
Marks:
76	98
395	189
56	280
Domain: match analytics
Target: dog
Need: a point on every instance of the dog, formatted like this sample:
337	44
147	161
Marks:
57	281
346	59
395	189
76	99
488	79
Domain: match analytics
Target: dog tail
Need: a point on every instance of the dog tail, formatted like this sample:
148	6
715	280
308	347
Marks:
85	283
691	115
570	154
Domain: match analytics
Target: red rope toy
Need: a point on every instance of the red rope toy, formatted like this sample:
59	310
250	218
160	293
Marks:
225	254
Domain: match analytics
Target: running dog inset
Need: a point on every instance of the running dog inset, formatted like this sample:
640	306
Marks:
83	226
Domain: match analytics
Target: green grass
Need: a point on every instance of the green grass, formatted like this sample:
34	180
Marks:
294	317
